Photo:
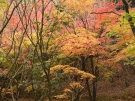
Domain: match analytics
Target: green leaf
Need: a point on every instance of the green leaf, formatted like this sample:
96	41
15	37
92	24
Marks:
2	56
66	23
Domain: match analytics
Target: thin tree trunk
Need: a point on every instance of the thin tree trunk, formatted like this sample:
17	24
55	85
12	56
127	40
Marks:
94	82
89	90
130	19
87	80
12	93
49	88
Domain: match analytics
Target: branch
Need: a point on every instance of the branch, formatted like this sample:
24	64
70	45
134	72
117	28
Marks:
105	13
4	26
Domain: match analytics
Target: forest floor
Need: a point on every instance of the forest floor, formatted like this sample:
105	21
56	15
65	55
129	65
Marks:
121	87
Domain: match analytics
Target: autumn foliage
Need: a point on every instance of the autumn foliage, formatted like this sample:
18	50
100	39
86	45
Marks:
62	49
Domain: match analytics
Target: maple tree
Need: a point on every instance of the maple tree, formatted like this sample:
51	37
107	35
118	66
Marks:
76	88
119	35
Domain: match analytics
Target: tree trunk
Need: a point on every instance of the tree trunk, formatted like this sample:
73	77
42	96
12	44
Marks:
130	19
95	72
49	88
87	80
77	97
89	90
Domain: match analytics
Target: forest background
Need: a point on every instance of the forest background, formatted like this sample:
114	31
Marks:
72	50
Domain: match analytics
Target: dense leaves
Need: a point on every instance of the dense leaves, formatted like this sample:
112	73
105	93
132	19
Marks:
62	48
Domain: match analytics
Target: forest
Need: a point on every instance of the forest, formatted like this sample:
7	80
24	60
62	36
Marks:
67	50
